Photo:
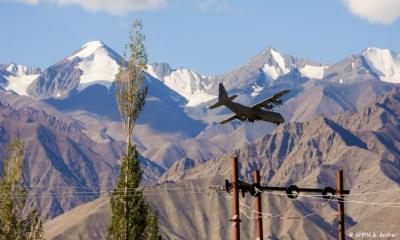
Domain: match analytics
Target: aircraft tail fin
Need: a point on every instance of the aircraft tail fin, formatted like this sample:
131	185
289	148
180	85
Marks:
223	97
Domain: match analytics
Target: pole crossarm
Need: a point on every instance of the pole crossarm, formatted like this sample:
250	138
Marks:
292	191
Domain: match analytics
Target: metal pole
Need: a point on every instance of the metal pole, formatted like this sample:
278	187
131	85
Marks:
235	199
339	193
259	226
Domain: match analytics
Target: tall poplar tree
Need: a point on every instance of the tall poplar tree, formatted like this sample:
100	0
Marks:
132	216
13	225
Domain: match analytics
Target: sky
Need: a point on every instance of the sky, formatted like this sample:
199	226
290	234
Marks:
208	36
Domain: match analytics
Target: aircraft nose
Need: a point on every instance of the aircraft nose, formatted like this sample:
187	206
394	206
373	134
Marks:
282	120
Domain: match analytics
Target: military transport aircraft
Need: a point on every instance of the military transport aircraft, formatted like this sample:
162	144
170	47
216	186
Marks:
260	111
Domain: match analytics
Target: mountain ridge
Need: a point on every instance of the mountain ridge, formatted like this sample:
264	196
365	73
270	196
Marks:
96	63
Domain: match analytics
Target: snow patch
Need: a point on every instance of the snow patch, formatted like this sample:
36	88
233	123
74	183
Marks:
188	84
279	60
19	78
271	71
314	72
257	89
20	84
385	63
278	69
96	65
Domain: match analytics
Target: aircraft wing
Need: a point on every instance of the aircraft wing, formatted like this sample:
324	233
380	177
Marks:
268	103
230	119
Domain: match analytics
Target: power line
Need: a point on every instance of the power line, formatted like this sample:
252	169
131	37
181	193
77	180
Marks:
103	196
281	216
367	193
103	192
48	188
262	213
347	200
143	188
184	191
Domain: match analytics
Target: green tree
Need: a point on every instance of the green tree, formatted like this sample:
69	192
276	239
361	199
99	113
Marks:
33	225
132	216
13	198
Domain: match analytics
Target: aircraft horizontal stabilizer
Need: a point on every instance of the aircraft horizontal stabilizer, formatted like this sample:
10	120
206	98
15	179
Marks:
221	103
218	104
230	119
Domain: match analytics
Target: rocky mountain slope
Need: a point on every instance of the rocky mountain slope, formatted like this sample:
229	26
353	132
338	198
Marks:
364	144
59	156
315	91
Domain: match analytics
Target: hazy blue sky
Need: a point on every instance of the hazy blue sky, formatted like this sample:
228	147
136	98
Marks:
208	36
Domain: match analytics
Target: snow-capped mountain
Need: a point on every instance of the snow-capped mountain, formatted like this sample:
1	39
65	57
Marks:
276	65
84	79
98	64
189	84
17	78
350	70
265	69
94	63
384	62
250	78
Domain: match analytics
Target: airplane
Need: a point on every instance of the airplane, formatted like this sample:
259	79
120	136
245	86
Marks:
261	111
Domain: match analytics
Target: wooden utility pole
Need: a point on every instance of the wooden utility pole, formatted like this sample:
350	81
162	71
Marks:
235	199
259	226
291	192
339	193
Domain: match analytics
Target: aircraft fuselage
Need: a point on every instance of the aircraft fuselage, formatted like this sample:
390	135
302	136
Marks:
250	114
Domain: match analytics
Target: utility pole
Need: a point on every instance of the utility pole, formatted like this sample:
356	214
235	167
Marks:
259	226
235	199
292	192
339	193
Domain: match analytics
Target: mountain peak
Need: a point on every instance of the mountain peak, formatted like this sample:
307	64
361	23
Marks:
376	50
268	49
275	64
95	43
384	62
186	82
87	49
93	64
159	70
16	69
